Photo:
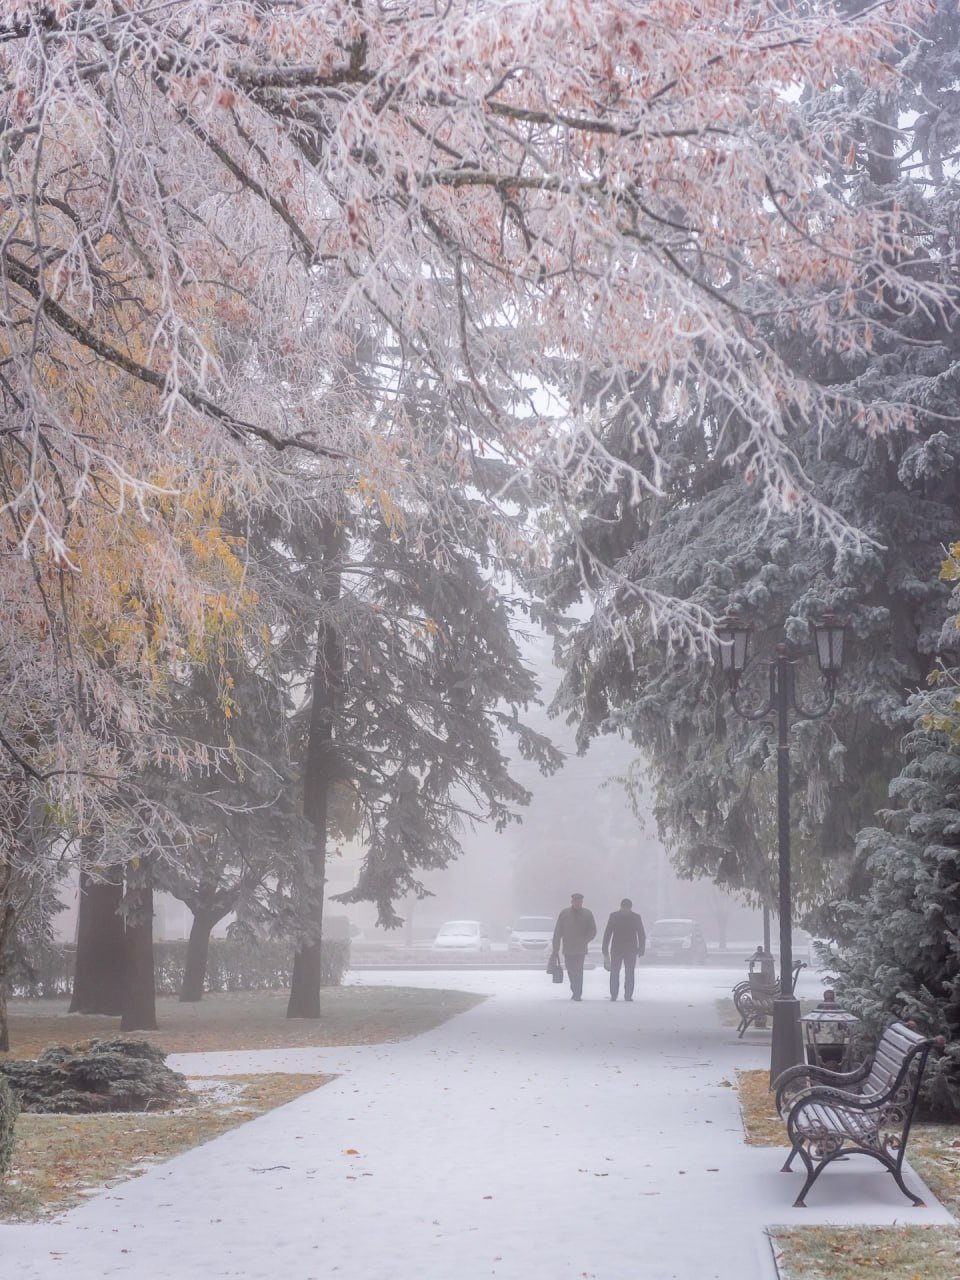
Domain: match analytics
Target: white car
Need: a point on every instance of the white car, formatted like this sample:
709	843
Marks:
462	936
531	935
677	940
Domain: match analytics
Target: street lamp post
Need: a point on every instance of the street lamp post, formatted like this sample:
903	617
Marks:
733	638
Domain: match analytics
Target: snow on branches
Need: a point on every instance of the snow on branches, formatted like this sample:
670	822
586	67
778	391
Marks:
234	232
509	195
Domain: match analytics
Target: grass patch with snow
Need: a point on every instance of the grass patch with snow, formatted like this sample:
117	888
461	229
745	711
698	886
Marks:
761	1124
59	1159
868	1253
248	1020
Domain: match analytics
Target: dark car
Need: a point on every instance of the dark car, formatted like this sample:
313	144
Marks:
678	941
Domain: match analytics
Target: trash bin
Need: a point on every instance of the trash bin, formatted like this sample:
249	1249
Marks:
762	969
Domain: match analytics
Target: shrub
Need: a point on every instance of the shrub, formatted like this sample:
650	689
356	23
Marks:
246	965
232	965
9	1109
96	1075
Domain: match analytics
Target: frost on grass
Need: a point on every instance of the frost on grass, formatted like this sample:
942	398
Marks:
864	1253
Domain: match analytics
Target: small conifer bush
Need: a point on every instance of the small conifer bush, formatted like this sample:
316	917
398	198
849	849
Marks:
96	1075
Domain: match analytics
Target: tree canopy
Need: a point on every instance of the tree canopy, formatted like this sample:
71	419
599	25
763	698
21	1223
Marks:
616	184
414	262
709	538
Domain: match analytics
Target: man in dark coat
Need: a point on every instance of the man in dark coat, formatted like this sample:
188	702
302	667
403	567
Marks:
574	930
623	940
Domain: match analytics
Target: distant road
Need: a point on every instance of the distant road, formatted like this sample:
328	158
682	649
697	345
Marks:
500	960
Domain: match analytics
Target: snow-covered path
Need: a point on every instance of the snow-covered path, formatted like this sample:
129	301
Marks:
531	1138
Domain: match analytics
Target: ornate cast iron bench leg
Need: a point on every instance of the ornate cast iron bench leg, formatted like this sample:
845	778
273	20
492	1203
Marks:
813	1172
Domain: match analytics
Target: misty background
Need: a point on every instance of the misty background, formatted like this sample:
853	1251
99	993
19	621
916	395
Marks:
579	834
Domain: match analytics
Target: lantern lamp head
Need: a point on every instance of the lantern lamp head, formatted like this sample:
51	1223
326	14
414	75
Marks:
733	643
828	634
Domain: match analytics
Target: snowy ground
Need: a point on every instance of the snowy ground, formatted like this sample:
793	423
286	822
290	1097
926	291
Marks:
531	1138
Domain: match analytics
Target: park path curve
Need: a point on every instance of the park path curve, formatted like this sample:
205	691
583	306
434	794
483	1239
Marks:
531	1138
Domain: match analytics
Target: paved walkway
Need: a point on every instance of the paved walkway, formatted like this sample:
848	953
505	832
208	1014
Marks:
529	1139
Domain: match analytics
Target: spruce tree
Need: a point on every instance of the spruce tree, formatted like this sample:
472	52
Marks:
417	680
903	954
704	532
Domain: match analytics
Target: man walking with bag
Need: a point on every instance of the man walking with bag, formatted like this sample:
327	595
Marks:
623	940
575	928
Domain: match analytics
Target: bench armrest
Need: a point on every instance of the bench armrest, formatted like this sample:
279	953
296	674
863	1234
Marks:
832	1092
824	1095
791	1083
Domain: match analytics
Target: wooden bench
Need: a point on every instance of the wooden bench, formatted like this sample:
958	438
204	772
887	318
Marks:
754	997
868	1112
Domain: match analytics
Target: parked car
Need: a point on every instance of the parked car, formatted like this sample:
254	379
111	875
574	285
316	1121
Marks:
462	936
677	940
531	935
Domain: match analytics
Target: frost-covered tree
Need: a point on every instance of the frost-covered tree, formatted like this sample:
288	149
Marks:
902	932
607	180
241	810
708	538
902	956
712	774
86	697
211	213
416	684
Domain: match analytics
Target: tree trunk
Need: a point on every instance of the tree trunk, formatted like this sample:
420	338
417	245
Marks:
4	1022
198	950
139	996
305	983
7	916
319	772
101	946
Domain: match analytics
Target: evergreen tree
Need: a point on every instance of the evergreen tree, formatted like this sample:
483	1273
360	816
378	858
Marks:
903	954
705	533
417	677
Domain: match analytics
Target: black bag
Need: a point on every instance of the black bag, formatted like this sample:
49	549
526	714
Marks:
555	969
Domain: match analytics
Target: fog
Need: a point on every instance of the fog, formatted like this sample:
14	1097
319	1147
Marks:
579	834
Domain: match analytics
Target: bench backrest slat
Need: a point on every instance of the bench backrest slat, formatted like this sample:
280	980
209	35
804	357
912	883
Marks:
896	1045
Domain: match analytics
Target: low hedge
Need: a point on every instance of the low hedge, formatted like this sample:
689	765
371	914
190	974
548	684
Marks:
245	966
47	972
